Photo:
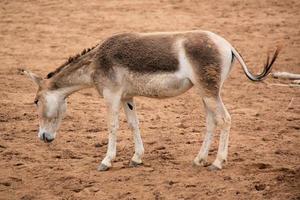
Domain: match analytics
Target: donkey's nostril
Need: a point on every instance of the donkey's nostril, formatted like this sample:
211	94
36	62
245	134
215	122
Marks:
47	138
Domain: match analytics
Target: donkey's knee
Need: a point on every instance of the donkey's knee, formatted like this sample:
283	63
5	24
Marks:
133	124
223	121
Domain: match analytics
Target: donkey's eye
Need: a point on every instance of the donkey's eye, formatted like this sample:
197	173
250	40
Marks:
36	102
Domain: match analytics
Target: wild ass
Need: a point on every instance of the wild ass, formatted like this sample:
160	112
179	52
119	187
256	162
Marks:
157	65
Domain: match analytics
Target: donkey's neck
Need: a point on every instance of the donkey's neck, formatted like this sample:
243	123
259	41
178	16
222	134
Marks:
75	76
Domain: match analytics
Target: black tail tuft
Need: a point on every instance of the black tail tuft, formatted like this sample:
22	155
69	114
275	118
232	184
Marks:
266	70
268	66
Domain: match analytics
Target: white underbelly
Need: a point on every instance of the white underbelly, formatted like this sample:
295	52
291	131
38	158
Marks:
157	85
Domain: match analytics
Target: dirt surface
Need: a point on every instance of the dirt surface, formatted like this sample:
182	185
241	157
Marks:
264	150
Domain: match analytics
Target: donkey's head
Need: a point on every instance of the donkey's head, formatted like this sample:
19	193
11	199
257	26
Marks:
51	106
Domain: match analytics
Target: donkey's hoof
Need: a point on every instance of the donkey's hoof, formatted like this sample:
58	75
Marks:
102	167
134	164
201	163
213	168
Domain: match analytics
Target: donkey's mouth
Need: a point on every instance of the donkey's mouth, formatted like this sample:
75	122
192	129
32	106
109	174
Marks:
48	140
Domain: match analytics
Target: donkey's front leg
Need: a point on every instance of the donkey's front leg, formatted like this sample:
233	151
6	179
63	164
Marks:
133	123
112	100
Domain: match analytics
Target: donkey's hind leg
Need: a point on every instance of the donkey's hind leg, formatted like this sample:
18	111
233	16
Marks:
113	100
222	119
133	123
201	159
224	122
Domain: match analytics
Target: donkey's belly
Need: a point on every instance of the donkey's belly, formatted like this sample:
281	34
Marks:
159	86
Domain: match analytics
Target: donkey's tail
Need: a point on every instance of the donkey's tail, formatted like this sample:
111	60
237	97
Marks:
267	67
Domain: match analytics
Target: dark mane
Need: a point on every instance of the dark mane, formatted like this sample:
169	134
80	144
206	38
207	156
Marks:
70	60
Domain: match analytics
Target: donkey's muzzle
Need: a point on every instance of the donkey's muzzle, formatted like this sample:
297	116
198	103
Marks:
47	138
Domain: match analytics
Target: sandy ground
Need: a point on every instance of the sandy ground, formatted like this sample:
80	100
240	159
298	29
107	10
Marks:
264	150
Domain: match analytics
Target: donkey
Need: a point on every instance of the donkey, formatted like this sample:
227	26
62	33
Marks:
156	65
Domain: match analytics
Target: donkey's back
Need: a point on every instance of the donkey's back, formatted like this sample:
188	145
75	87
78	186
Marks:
165	64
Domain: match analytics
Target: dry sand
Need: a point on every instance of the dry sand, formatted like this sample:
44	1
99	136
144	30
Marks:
264	150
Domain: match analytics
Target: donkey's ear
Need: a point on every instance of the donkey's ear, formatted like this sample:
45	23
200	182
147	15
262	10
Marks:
35	78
